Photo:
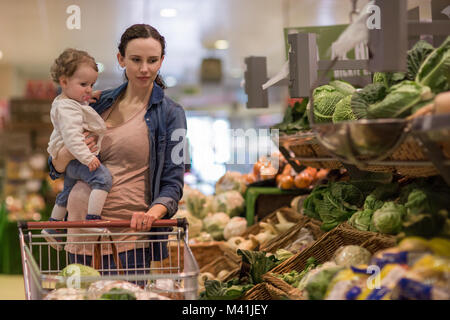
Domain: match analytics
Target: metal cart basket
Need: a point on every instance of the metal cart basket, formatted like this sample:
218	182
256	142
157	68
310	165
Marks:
50	272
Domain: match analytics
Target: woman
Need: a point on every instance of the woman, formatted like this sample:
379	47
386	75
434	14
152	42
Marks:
140	148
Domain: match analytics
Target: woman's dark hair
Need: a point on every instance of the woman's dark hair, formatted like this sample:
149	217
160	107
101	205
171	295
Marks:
145	31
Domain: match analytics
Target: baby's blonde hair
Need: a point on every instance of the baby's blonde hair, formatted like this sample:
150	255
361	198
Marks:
68	61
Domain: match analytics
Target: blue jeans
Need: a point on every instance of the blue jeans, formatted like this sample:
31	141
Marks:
98	179
131	260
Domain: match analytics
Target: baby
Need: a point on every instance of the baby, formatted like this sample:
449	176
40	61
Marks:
76	72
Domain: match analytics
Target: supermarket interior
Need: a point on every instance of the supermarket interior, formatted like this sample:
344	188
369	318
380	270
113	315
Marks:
289	150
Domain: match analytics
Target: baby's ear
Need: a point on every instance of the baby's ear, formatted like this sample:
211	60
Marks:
63	81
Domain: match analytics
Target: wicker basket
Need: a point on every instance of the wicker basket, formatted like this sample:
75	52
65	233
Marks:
314	150
258	292
204	253
280	290
410	150
290	214
289	236
219	264
324	248
304	145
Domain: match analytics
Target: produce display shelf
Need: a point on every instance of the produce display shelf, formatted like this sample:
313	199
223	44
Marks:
422	144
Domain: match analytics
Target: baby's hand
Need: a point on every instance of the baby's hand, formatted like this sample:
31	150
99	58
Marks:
94	164
95	96
91	141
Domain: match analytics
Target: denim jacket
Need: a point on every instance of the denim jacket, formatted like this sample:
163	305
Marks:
163	118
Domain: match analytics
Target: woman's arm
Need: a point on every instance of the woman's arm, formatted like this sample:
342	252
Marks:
172	178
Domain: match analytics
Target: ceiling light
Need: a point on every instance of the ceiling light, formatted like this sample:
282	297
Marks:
168	13
221	44
1	54
100	67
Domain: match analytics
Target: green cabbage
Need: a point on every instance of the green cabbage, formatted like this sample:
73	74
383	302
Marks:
388	79
416	56
216	290
400	100
78	270
351	255
333	204
434	72
361	219
361	99
343	110
343	87
388	219
372	203
325	99
318	284
118	294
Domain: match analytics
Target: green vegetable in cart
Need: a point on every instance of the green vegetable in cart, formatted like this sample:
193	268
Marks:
78	270
434	72
118	294
388	219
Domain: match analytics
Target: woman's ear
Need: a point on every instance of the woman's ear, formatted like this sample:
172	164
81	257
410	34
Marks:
121	59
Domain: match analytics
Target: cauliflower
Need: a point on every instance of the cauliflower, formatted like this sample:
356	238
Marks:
230	202
352	255
215	223
235	228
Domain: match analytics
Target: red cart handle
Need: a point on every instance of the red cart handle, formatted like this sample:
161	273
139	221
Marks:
182	223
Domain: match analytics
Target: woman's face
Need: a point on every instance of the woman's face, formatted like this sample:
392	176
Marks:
142	61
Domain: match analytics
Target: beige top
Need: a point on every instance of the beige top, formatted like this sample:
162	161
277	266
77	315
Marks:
70	119
125	152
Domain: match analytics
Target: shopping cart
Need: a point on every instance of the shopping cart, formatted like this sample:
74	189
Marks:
44	261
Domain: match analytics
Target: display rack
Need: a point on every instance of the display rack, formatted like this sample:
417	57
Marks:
412	148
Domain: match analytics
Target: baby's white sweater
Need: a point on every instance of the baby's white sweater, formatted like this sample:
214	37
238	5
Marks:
70	119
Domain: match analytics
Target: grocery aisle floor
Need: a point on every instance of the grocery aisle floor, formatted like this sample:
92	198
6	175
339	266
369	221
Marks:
11	287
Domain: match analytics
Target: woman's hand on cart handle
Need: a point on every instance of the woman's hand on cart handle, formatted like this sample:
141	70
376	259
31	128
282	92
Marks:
142	221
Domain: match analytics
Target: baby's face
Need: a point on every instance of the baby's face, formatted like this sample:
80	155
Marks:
79	86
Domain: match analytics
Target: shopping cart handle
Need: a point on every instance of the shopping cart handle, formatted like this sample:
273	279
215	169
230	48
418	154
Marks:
182	223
